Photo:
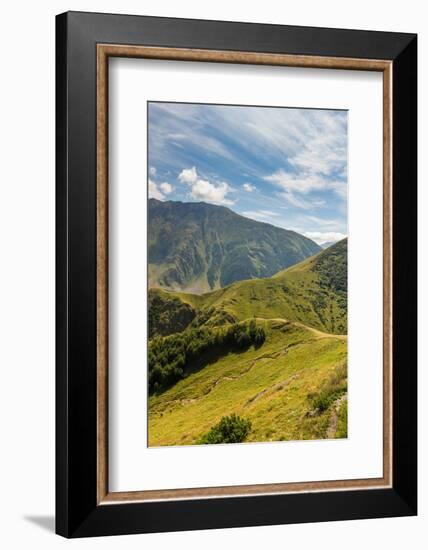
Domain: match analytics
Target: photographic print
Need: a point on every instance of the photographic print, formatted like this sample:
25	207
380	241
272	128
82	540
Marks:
247	274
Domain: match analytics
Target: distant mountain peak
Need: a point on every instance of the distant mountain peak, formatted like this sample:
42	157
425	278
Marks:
198	247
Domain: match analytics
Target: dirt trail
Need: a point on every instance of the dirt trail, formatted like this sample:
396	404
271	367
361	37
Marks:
318	333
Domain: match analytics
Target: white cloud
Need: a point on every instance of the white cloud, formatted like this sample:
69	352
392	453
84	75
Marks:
327	237
204	190
154	192
152	171
188	175
166	187
249	187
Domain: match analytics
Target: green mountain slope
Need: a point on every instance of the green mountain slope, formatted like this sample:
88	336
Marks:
198	247
313	292
292	386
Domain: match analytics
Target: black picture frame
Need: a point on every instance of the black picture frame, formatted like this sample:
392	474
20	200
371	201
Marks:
77	511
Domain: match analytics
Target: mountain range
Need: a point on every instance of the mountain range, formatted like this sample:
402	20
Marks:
312	292
199	247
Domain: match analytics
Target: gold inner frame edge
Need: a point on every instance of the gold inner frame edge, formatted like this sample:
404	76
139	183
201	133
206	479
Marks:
104	52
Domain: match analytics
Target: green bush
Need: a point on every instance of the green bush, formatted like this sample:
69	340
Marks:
331	390
322	401
342	421
230	429
168	314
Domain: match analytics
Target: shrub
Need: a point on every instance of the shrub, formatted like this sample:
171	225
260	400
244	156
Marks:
322	401
230	429
168	314
331	390
342	421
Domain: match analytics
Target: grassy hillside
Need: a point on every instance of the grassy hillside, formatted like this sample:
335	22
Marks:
291	387
313	292
199	247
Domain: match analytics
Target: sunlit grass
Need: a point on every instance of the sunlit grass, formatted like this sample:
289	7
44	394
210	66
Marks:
268	386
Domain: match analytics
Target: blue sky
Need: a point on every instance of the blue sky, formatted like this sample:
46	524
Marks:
287	167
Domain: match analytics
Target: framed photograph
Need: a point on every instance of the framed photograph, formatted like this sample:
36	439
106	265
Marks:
236	274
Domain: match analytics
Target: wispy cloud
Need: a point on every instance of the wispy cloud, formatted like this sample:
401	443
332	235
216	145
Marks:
299	183
320	165
260	214
253	159
171	124
299	202
262	136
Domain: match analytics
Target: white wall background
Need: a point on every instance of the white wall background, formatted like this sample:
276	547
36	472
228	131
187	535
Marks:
27	89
